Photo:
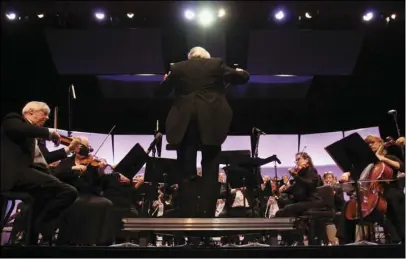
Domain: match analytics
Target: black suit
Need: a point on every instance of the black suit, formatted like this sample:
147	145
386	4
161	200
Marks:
302	196
200	116
51	156
17	173
90	211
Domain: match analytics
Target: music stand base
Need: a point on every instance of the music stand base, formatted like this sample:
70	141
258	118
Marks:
256	244
362	243
127	244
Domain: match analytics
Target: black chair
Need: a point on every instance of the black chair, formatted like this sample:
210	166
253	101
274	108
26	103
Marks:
5	215
315	218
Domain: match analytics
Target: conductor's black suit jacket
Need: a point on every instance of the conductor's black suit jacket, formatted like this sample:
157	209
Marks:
199	89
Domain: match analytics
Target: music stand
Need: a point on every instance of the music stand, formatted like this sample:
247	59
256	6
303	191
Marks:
162	170
352	154
232	157
132	163
237	177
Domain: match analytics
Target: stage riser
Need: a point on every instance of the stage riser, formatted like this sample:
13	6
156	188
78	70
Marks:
379	251
208	224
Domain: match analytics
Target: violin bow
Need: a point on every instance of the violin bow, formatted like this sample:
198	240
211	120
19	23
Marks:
104	141
56	122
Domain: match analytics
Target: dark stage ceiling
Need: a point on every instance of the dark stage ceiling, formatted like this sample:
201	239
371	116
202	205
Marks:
334	72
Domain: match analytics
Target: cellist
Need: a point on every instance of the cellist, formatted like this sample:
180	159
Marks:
395	214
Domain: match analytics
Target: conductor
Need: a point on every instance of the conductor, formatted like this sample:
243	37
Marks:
199	119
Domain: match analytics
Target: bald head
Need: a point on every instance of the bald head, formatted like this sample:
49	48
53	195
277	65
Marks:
198	52
83	140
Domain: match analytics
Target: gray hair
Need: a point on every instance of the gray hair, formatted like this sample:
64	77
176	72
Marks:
198	52
36	106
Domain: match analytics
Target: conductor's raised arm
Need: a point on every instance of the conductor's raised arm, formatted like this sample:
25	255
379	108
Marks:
165	88
235	76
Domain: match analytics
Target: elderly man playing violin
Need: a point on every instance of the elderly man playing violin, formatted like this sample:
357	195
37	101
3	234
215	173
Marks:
20	157
91	211
394	218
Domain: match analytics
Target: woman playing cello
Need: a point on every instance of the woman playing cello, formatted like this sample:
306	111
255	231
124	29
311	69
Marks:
395	211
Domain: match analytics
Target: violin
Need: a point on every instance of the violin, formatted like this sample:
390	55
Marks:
93	161
299	168
66	141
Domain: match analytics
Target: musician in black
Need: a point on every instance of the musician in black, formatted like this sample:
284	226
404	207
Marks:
394	218
90	220
301	195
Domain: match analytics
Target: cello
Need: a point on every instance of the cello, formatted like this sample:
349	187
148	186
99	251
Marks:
371	189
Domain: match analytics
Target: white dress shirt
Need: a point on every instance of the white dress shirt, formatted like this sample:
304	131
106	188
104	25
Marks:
39	157
239	200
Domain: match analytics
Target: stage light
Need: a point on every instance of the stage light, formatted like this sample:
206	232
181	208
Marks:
130	15
393	16
40	15
206	18
221	13
368	16
190	15
99	16
308	15
279	15
11	16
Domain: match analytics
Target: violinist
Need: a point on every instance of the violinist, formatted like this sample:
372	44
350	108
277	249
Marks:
52	159
19	154
91	210
395	214
301	194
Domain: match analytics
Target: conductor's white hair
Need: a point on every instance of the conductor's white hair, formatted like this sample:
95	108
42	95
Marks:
36	106
198	52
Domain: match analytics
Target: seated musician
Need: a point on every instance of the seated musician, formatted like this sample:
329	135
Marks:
125	195
301	194
266	192
331	228
52	158
395	215
90	220
272	202
19	153
221	210
284	183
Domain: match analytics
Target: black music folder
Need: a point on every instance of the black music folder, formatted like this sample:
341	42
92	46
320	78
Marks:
132	163
352	154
